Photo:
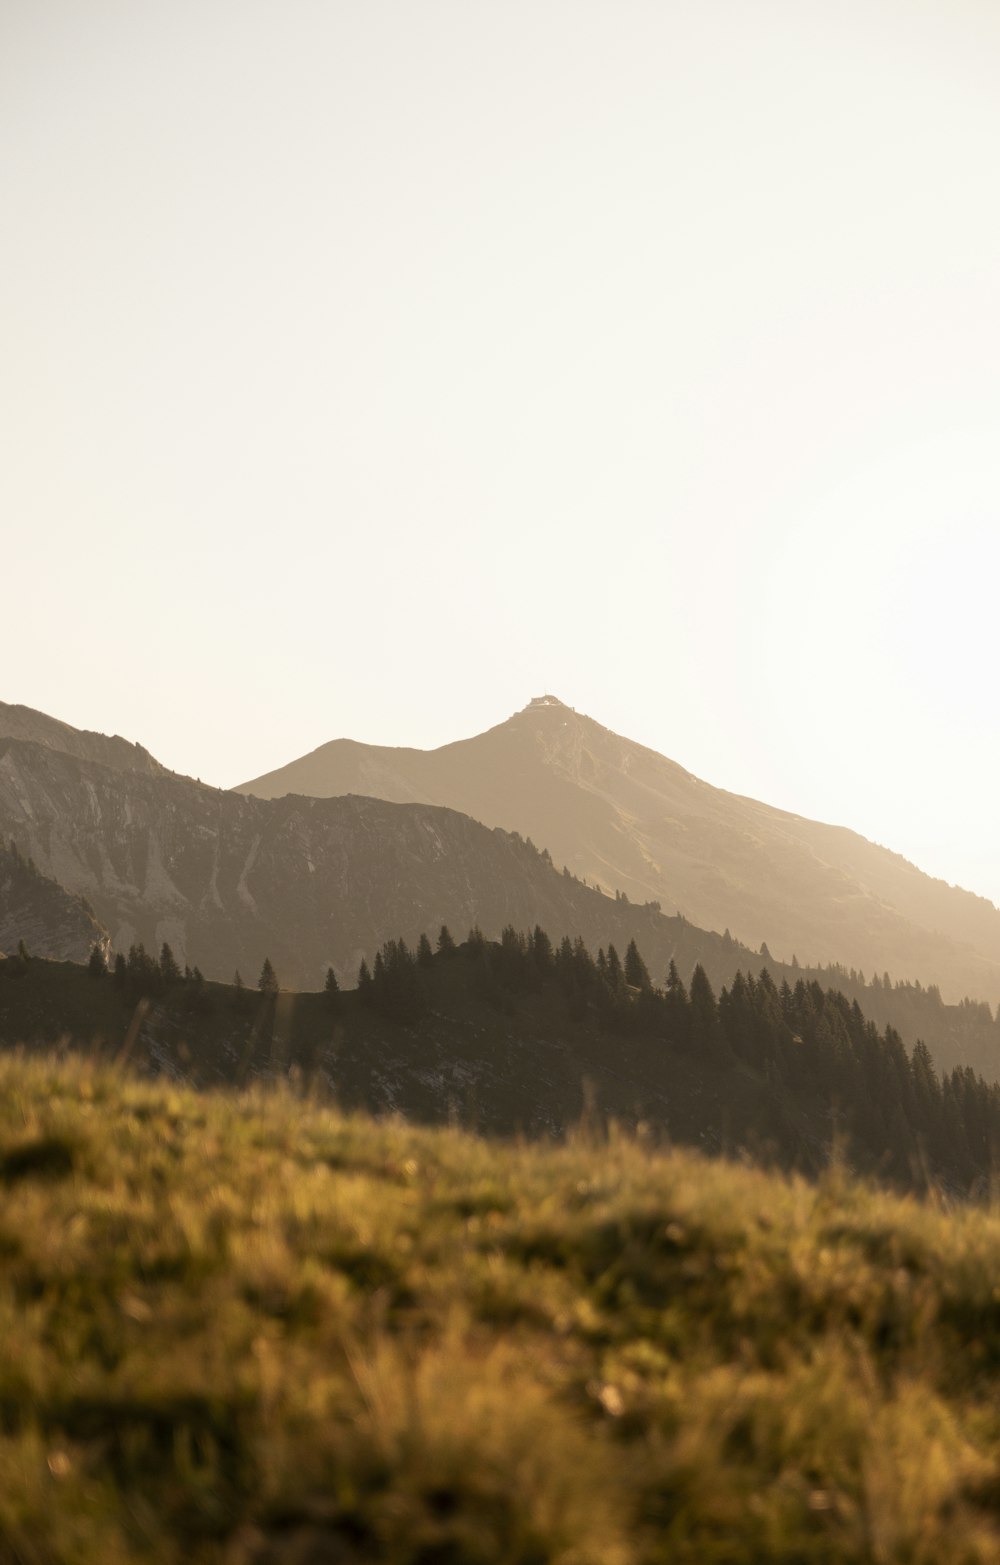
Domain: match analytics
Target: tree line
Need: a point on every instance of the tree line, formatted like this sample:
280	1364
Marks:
885	1106
814	1047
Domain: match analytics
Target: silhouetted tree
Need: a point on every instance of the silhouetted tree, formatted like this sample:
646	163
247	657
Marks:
331	989
267	983
676	1008
615	975
364	983
169	970
706	1030
636	971
97	966
397	990
541	950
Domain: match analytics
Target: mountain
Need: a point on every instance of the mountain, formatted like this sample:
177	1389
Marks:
227	880
36	910
624	817
23	722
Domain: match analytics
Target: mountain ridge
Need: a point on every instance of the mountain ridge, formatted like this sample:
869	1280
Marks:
24	722
618	813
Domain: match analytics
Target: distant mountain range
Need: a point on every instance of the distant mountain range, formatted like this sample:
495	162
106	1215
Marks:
625	818
227	878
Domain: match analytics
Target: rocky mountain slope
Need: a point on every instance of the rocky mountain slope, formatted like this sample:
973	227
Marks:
625	817
23	722
37	911
227	879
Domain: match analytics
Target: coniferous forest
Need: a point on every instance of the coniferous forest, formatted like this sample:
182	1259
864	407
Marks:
888	1105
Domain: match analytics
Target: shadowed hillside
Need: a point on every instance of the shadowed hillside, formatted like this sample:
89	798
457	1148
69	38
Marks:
38	912
626	818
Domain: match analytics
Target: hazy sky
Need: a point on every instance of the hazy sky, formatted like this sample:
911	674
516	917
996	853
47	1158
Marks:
370	368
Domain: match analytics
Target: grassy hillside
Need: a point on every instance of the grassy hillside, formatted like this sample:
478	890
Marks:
246	1329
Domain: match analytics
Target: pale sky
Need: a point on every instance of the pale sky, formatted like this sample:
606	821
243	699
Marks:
367	369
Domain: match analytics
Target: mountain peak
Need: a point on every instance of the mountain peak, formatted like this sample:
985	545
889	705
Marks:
540	701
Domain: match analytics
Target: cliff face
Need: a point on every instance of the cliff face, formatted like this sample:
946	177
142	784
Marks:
49	920
625	817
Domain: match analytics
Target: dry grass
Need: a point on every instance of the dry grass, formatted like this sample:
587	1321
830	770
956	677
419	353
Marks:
247	1329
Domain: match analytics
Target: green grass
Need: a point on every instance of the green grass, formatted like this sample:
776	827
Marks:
249	1329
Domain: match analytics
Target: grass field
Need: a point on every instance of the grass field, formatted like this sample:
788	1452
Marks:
248	1329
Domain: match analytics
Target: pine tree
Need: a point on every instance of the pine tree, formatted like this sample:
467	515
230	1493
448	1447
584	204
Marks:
615	978
677	1009
425	956
541	950
96	967
736	1014
169	971
121	970
331	989
267	983
364	983
446	945
707	1037
636	971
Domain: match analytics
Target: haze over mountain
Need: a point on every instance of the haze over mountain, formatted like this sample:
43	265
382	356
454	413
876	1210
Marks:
624	817
226	880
